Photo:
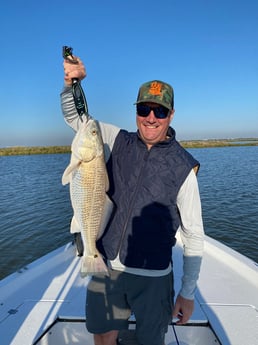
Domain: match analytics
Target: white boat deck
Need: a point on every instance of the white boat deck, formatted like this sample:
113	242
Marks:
44	303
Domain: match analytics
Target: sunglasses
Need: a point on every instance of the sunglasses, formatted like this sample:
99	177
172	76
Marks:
159	112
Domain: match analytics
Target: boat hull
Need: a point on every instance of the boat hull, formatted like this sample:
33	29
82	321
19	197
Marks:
45	302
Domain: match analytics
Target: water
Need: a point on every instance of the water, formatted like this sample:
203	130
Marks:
228	182
35	210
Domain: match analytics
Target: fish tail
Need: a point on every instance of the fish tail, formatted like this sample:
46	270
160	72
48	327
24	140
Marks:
93	265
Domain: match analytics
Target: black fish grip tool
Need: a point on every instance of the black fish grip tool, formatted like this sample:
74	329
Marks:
78	94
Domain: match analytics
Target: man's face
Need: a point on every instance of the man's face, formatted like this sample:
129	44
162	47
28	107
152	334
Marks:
152	129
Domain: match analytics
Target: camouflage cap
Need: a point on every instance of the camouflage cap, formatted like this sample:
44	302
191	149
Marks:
156	91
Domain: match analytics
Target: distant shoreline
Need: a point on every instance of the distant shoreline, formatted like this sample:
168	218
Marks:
31	150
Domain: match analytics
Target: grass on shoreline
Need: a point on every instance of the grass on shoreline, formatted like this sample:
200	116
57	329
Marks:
32	150
219	143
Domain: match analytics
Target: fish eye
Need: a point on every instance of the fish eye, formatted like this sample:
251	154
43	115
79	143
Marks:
94	132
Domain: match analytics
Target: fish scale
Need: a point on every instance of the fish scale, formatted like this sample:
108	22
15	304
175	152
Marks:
88	200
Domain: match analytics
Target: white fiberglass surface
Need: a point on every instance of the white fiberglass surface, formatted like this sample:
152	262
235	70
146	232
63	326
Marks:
65	332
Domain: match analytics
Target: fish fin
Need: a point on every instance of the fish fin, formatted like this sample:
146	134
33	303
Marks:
93	265
67	175
69	170
74	227
107	211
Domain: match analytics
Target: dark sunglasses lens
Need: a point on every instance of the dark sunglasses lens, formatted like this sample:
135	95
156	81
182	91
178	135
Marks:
143	110
161	112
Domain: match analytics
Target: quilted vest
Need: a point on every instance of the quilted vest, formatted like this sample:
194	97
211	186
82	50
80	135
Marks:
143	187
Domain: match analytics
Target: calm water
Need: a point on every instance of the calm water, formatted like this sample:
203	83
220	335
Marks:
35	209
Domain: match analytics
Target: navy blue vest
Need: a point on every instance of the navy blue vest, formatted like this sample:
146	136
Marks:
143	187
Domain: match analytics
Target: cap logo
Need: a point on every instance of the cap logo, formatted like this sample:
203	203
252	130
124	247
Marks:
155	88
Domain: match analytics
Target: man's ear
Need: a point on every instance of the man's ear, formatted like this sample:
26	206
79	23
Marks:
172	112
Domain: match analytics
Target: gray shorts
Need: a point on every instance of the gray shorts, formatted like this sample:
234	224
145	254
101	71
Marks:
110	301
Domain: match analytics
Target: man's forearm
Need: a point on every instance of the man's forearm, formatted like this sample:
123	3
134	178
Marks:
69	110
191	271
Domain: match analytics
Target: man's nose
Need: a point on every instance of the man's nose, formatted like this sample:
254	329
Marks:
151	117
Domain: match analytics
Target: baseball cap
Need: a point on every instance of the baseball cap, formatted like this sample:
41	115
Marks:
156	91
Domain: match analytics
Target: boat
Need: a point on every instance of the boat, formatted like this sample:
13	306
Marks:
44	303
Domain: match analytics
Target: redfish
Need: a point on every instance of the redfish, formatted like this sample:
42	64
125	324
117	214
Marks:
89	183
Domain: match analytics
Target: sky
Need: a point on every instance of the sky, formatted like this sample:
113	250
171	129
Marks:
206	49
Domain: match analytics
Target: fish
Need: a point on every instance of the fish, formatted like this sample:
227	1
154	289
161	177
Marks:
89	183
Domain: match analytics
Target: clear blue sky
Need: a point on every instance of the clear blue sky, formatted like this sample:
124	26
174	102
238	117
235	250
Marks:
207	49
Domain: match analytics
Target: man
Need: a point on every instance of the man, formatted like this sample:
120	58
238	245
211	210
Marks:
154	189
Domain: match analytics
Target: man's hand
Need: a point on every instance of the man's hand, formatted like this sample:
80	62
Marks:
183	309
73	70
